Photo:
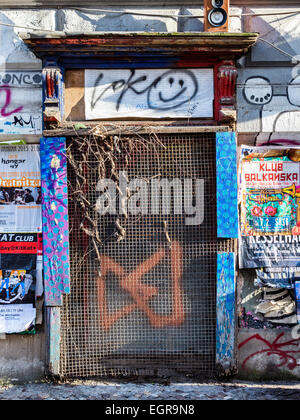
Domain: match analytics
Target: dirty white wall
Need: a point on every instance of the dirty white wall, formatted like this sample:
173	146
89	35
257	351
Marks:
268	91
268	109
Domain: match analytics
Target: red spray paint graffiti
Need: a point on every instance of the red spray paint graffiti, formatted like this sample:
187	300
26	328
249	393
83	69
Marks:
142	293
287	356
3	110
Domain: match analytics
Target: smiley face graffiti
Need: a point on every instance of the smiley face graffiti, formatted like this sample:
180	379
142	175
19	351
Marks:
171	90
168	91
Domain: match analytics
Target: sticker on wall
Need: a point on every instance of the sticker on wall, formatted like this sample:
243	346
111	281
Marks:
270	211
150	93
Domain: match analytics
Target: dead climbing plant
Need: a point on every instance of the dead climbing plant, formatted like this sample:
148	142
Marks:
101	155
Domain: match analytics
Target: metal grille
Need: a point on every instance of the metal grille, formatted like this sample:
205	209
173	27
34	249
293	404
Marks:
153	309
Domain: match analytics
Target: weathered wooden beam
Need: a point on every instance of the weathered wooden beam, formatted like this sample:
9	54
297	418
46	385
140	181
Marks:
173	44
67	132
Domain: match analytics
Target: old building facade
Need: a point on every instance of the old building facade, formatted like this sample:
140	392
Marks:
210	314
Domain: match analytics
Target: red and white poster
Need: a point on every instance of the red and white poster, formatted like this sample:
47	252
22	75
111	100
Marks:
270	207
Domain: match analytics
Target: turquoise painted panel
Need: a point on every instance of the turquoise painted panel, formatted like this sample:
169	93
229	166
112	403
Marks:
55	220
227	190
226	291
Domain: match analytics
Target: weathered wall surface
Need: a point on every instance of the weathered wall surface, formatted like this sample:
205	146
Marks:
268	354
268	91
22	357
268	102
268	108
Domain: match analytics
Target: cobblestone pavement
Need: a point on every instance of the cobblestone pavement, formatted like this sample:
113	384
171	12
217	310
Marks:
118	390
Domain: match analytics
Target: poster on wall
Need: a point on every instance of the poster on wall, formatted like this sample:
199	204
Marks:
20	227
20	189
269	205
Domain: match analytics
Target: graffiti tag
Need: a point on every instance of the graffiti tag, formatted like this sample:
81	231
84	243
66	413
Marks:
21	122
277	348
6	90
178	82
141	293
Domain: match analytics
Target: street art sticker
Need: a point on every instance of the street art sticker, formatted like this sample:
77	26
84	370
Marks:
20	189
20	103
270	212
149	93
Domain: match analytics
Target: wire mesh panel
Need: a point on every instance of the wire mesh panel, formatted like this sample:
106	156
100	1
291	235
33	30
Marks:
145	303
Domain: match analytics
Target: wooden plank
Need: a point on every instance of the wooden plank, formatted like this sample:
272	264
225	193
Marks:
74	95
227	195
226	334
53	325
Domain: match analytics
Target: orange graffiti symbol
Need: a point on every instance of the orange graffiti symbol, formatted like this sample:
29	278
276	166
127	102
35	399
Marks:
141	293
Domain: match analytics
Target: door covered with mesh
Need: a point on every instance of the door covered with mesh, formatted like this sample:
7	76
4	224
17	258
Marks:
143	298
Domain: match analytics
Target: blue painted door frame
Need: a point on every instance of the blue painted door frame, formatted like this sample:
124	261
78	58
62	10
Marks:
227	227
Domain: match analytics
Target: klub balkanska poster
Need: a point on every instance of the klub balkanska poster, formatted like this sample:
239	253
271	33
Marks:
20	236
269	207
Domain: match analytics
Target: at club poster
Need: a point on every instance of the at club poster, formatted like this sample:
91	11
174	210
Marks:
269	207
20	189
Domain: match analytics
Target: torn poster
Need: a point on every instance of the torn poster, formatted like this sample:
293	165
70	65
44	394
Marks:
278	277
20	189
270	212
278	306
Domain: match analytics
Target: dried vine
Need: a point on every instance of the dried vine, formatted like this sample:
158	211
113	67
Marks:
97	156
